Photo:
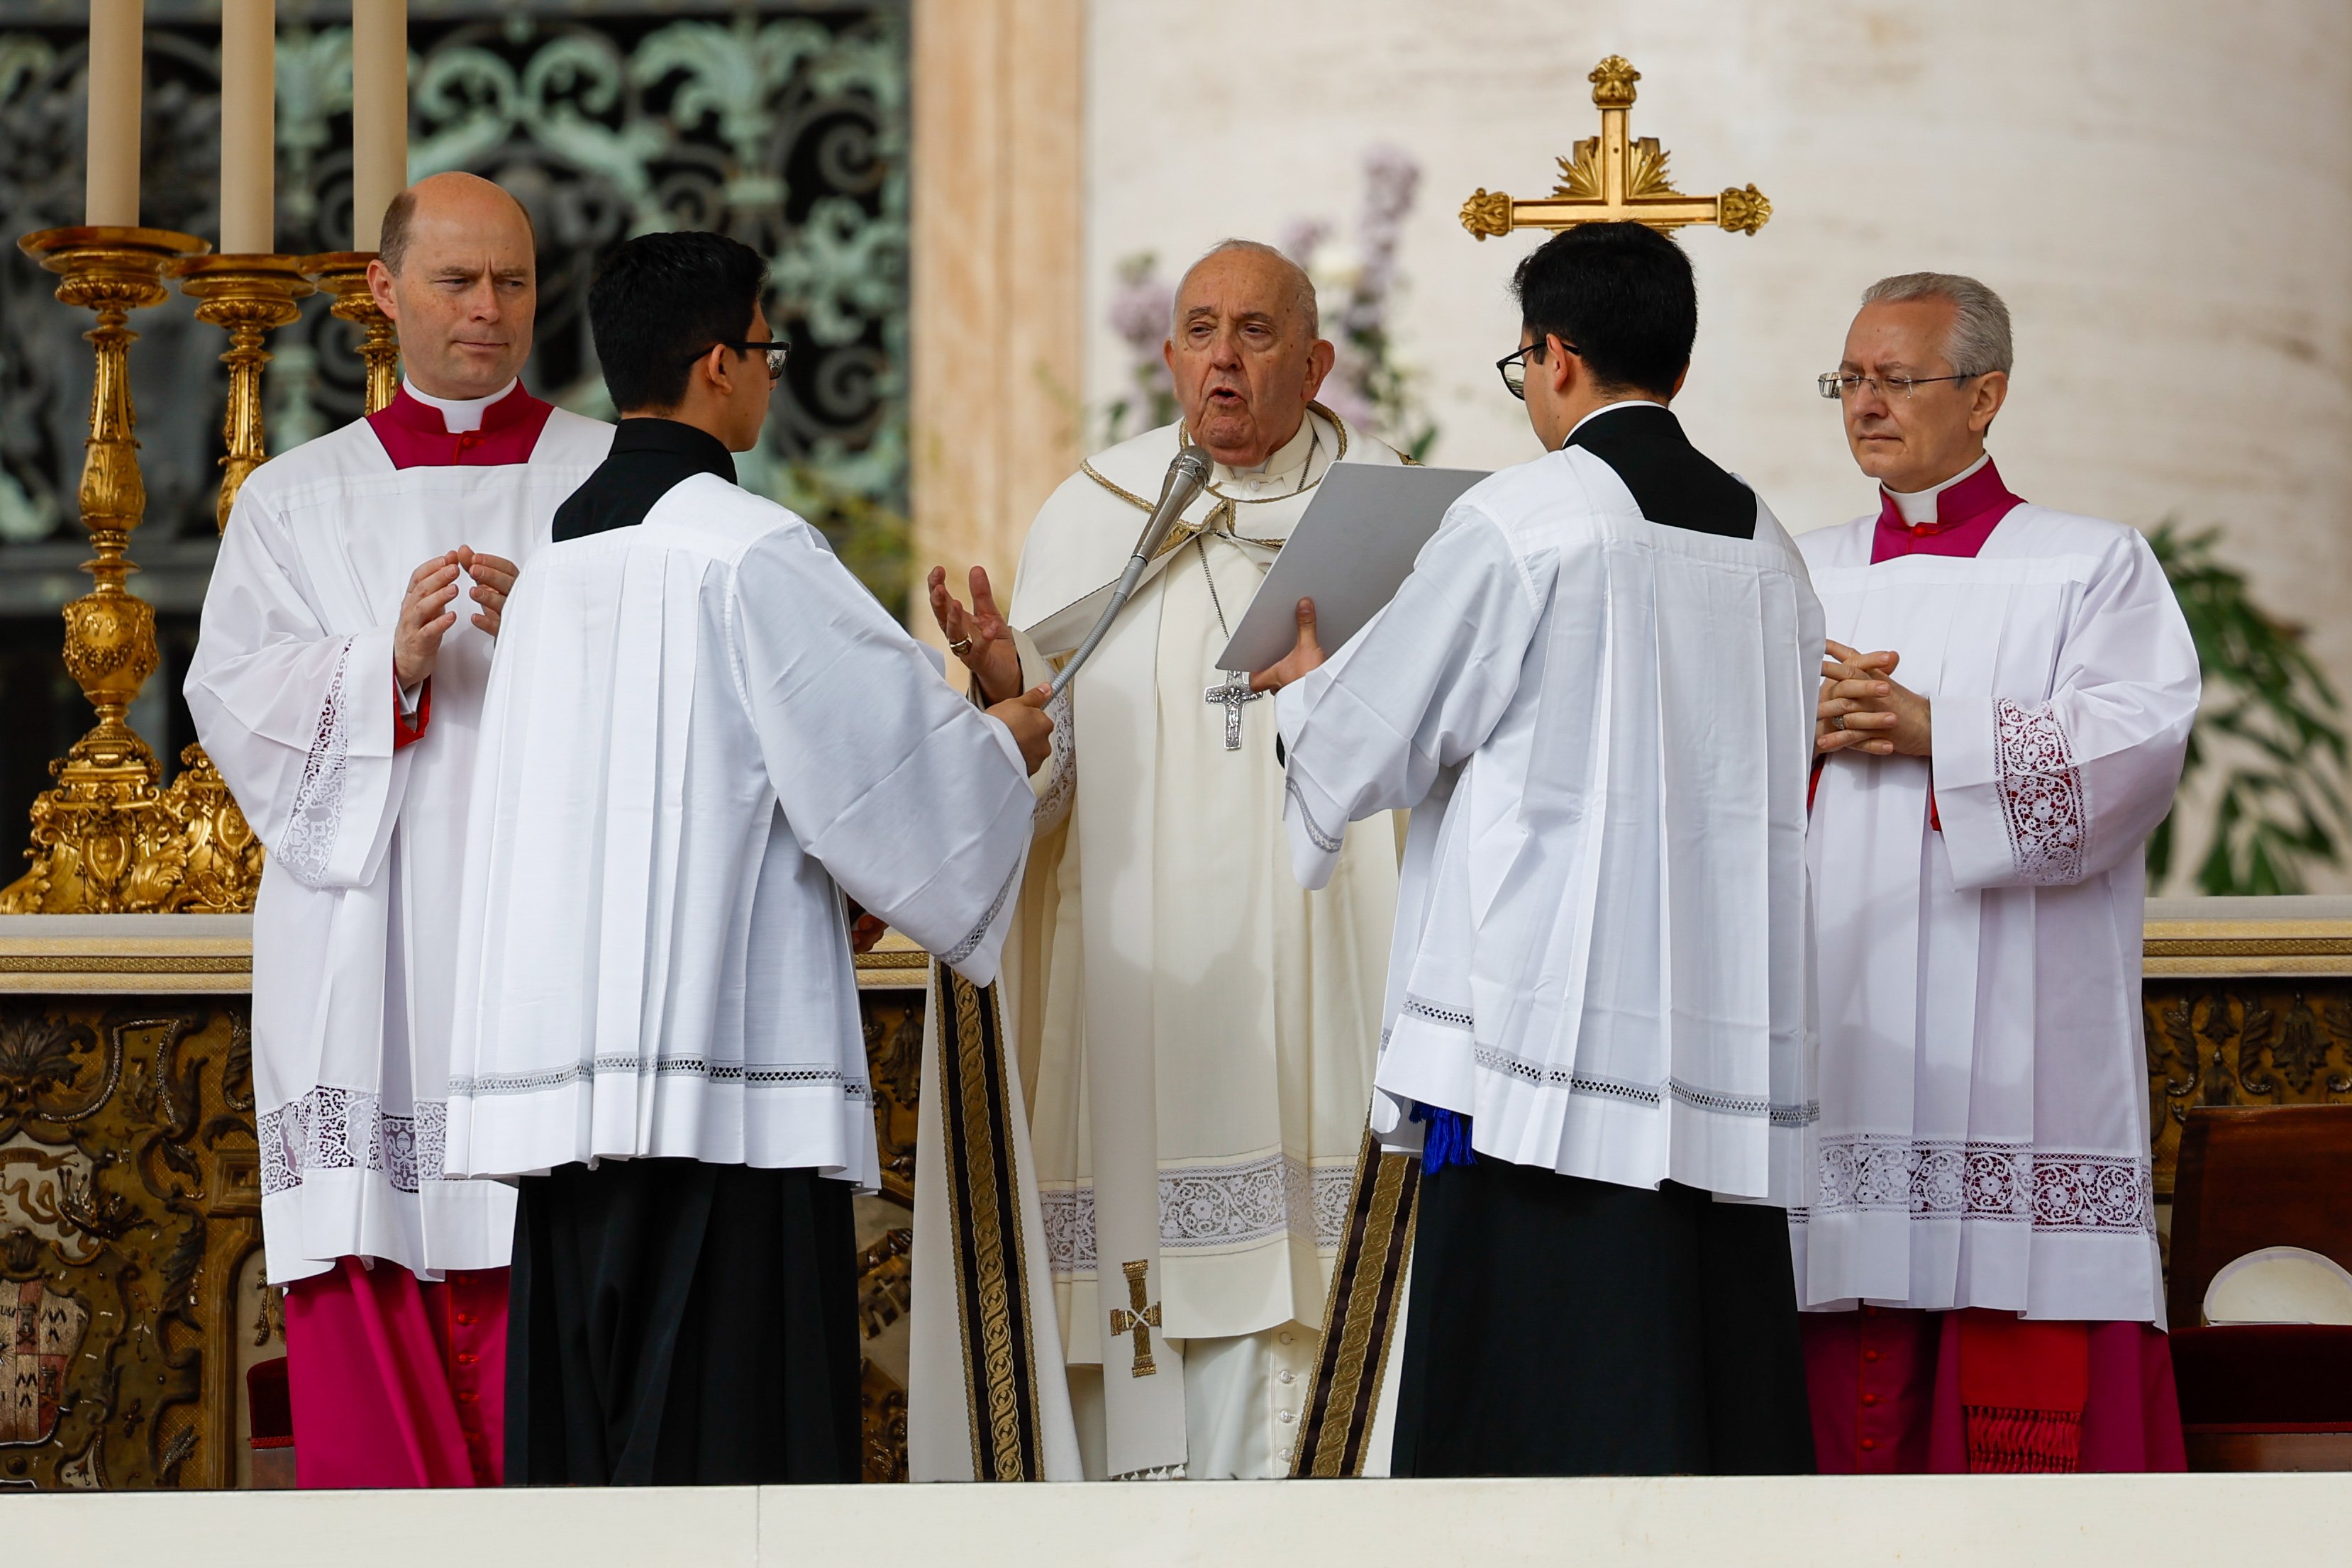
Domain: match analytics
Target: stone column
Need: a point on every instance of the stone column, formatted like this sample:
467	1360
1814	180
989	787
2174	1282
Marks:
997	303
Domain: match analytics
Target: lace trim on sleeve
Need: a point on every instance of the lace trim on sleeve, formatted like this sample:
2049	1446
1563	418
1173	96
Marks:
1328	842
2042	798
316	822
971	944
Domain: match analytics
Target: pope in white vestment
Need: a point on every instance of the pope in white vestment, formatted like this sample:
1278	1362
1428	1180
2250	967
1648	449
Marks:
1196	1032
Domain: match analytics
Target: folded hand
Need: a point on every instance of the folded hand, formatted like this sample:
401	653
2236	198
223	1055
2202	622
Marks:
1862	709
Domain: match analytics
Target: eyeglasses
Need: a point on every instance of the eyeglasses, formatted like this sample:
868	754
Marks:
1513	368
776	354
1847	383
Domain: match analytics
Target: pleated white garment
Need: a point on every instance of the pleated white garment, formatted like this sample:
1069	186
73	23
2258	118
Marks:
1983	1139
701	732
1604	726
354	932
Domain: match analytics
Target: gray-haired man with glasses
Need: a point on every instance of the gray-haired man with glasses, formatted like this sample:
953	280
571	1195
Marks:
1977	1253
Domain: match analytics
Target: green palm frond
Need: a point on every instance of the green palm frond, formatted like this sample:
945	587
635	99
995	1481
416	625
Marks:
2270	717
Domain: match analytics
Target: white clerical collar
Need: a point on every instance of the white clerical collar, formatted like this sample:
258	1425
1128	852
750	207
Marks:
1610	407
1282	467
1916	507
459	415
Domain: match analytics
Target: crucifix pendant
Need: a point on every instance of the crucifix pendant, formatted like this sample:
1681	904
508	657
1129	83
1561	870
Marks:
1232	693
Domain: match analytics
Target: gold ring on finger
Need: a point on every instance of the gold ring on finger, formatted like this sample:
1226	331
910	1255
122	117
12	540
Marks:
1839	721
960	647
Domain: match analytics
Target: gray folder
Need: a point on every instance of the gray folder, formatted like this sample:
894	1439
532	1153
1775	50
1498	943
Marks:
1349	553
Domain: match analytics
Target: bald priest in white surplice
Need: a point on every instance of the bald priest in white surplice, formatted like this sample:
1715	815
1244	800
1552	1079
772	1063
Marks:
1197	1033
339	688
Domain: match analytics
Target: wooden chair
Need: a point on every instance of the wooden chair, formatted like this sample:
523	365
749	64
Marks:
2261	1396
272	1418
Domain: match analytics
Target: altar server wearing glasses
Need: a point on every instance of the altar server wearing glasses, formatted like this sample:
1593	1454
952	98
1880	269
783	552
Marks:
338	685
1978	1247
1595	691
703	740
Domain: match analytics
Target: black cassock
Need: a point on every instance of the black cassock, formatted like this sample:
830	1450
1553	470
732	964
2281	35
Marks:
671	1321
674	1321
1562	1326
1565	1327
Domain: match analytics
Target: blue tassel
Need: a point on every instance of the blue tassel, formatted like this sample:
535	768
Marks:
1447	1142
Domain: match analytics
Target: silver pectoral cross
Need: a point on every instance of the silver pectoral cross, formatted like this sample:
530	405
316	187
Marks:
1232	693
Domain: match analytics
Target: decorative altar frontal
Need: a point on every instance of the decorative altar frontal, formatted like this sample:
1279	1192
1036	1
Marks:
130	1176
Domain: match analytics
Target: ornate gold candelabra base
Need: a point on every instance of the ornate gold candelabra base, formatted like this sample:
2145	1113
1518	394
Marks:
343	274
249	296
107	840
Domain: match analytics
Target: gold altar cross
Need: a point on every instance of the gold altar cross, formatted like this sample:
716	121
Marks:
1612	178
1140	1321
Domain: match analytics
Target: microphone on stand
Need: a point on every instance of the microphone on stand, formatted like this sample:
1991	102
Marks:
1187	477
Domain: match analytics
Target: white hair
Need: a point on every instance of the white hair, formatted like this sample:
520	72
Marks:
1978	340
1300	287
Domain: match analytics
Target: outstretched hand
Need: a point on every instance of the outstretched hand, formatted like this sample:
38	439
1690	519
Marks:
1031	724
1304	657
978	636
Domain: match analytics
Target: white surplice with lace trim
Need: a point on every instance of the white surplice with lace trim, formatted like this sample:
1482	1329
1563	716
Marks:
1983	1138
1602	726
702	732
354	934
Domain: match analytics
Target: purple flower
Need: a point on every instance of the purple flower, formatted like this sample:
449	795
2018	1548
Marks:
1140	311
1302	238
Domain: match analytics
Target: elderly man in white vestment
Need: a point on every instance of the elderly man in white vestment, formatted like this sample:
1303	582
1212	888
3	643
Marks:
1196	1032
1592	692
1979	1249
339	689
703	736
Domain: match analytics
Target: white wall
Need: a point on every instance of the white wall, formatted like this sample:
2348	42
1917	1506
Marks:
2162	190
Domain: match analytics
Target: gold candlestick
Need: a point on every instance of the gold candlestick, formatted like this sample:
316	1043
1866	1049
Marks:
343	274
249	296
104	840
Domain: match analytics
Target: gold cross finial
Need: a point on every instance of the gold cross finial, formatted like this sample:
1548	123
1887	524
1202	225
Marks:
1141	1321
1610	178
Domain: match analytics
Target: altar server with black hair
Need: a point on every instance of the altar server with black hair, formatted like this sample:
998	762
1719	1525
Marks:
1595	691
338	685
704	738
